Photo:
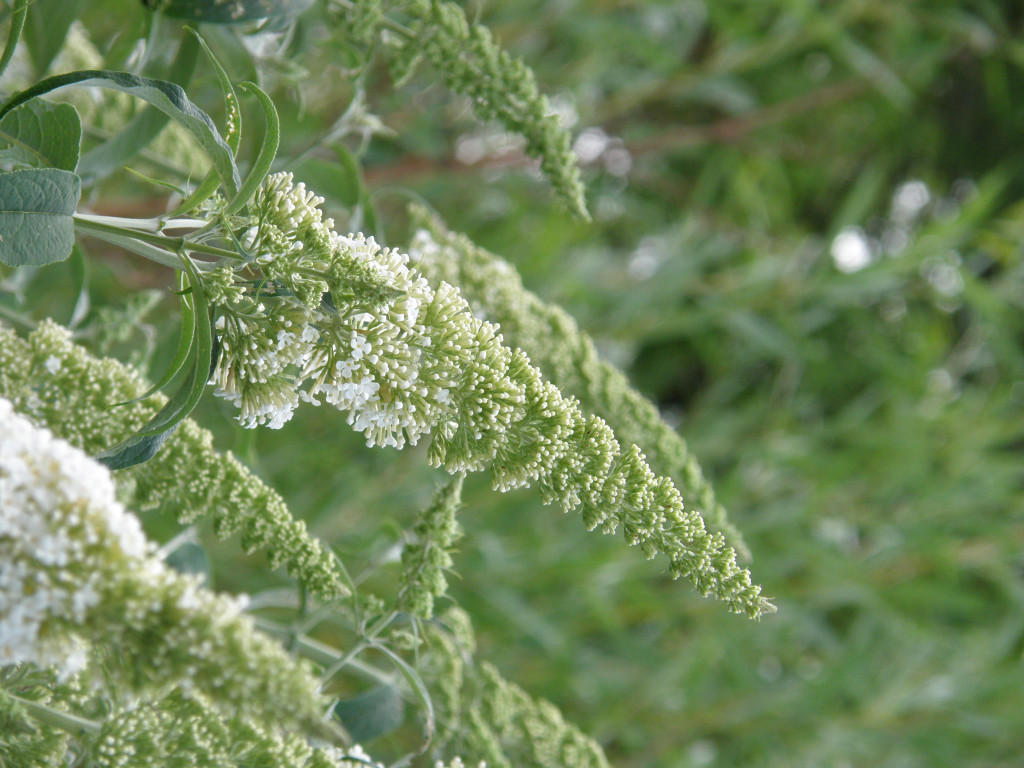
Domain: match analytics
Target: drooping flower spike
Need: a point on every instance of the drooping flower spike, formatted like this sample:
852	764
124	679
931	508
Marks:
406	361
566	355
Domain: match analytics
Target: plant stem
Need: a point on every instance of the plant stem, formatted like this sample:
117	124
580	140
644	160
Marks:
117	233
358	647
320	653
77	726
154	225
391	24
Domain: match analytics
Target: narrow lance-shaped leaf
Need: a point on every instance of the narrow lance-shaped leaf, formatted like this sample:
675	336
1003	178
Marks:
267	152
181	355
14	32
36	210
167	97
46	28
144	444
233	135
145	126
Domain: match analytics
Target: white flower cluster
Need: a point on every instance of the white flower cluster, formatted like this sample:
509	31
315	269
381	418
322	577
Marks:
58	384
358	361
185	730
60	528
76	572
405	360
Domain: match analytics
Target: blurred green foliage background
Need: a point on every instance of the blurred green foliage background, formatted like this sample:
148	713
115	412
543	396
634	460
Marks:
807	248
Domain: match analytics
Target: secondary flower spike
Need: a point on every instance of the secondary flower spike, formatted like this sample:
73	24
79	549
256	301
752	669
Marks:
78	574
362	330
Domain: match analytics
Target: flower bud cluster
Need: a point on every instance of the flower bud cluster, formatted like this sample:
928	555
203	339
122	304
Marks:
567	356
426	558
487	718
78	576
60	385
187	731
62	536
24	741
420	363
499	86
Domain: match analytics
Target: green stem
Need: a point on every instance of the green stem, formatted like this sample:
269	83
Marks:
77	726
17	317
147	251
320	653
98	225
155	225
364	642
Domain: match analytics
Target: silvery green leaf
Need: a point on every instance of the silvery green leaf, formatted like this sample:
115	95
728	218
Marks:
36	209
42	133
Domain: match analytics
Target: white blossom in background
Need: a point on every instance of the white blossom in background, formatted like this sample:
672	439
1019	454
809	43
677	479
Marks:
60	526
851	250
77	573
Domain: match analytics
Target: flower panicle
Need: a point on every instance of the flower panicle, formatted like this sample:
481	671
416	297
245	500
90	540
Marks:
426	558
499	86
567	356
424	366
80	578
59	384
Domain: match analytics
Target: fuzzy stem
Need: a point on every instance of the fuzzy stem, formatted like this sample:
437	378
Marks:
76	726
100	225
360	645
320	652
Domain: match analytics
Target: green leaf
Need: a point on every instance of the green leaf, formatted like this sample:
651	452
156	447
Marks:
418	688
341	181
267	152
181	355
145	443
134	450
234	133
234	111
169	98
45	29
13	33
145	126
36	209
220	12
376	712
187	397
43	133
